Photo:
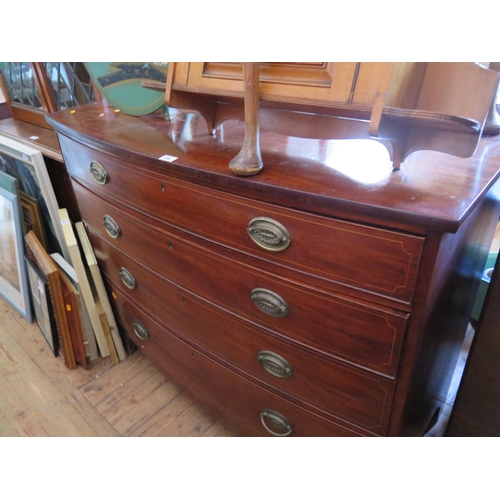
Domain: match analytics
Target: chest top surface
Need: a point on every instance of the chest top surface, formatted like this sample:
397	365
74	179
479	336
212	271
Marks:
350	179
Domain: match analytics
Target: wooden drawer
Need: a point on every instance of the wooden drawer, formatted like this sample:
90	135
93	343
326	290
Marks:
353	331
225	389
335	252
332	387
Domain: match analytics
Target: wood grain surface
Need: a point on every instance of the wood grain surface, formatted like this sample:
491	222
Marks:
40	397
349	178
398	313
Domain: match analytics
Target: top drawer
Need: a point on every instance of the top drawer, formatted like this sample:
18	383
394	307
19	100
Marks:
335	252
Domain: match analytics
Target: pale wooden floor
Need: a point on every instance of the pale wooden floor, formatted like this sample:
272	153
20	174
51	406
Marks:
39	396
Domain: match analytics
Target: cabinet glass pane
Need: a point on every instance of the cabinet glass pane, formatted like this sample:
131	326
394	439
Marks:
18	77
70	83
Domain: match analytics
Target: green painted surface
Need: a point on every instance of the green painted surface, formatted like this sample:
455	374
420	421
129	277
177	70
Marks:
121	85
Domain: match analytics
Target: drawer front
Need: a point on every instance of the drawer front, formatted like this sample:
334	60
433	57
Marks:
335	252
352	331
349	393
230	392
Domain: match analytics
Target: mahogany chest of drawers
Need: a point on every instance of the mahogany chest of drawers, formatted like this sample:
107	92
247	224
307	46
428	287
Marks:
327	296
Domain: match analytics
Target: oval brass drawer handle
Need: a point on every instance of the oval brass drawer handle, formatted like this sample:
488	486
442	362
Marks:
275	364
269	234
98	172
112	228
270	418
269	302
140	330
128	280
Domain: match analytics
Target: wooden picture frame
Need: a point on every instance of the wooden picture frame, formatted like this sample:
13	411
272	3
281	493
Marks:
14	287
46	265
73	315
88	331
27	165
32	217
43	311
83	280
116	346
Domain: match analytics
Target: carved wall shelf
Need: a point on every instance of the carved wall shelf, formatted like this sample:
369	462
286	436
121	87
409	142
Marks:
406	106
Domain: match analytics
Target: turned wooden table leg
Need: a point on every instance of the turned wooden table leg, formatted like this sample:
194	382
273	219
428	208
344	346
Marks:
248	161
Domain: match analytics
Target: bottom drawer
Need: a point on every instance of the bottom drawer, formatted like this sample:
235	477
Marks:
256	408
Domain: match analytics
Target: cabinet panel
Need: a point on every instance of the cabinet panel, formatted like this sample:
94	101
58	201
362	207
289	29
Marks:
322	81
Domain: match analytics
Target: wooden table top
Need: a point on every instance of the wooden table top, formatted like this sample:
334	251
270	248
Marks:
43	139
352	179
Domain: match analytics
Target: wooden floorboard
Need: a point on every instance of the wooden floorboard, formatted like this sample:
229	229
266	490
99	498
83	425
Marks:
40	397
160	423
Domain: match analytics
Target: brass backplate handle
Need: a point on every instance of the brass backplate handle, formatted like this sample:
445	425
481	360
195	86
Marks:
270	418
140	330
128	280
98	172
112	228
275	364
269	302
269	234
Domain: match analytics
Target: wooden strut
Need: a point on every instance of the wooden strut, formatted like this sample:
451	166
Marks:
248	161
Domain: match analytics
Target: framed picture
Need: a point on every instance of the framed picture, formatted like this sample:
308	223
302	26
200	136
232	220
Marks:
13	278
88	331
27	165
44	263
32	217
42	305
74	317
9	183
98	286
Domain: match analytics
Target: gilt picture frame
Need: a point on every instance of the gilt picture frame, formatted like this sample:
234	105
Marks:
27	165
32	217
14	286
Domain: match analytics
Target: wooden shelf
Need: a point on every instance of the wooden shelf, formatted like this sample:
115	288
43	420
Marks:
431	120
408	106
40	138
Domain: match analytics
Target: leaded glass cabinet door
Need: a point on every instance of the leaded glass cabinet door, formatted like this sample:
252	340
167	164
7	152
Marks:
21	86
70	84
34	89
22	91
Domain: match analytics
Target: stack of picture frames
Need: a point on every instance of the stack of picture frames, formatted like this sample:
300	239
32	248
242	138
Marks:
93	293
45	274
84	320
28	203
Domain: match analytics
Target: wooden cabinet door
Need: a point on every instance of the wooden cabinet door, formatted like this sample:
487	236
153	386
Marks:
319	81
